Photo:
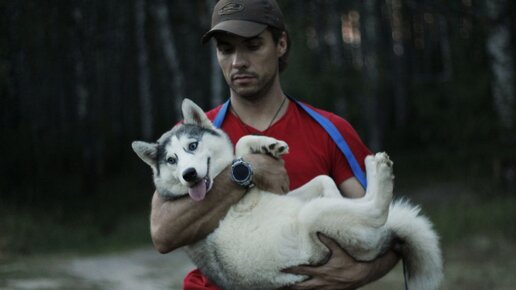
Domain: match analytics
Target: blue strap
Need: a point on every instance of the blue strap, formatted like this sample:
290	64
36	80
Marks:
328	127
221	115
339	140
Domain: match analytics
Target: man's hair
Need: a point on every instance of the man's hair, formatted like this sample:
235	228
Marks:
276	35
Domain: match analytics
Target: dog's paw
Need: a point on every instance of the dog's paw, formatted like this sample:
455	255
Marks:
273	147
261	145
379	166
383	158
269	146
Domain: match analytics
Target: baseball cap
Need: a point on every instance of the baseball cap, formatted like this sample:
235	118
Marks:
246	18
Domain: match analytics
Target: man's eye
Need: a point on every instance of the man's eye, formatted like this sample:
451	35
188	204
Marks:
192	146
171	160
254	46
225	49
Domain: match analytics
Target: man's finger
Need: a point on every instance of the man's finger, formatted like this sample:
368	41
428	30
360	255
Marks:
307	285
300	270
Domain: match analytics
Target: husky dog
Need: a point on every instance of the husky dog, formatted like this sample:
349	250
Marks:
264	232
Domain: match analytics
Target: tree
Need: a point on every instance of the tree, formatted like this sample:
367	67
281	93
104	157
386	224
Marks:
370	31
499	49
215	74
143	71
167	41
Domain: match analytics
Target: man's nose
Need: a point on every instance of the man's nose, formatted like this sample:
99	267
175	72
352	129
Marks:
240	60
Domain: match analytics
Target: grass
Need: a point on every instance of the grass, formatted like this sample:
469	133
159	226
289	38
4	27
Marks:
116	218
34	231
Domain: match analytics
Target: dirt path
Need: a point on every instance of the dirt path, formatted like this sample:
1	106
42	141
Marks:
483	264
142	269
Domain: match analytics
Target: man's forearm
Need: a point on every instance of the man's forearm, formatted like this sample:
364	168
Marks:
184	221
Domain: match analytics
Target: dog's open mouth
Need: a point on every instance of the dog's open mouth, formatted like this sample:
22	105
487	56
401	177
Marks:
198	191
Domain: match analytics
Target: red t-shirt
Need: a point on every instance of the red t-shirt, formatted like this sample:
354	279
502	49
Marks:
312	152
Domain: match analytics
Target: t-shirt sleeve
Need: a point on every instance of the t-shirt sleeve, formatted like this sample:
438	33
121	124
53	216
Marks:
340	169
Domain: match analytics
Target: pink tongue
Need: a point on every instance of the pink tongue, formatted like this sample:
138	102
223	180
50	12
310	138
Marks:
198	192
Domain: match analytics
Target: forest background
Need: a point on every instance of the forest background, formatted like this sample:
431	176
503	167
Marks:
430	82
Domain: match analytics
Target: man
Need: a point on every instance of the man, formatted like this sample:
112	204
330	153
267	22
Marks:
252	48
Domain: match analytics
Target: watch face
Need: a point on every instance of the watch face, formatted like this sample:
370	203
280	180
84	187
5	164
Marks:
240	172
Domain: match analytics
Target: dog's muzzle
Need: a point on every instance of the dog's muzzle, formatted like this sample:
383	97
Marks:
200	185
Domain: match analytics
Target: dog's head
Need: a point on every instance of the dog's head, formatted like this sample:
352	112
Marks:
186	159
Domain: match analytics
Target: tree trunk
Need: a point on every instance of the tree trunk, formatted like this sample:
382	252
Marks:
215	74
84	105
335	32
143	71
370	47
399	78
499	50
168	44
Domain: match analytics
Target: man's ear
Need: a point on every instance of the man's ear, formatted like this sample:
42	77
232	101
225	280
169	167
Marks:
148	152
282	44
194	115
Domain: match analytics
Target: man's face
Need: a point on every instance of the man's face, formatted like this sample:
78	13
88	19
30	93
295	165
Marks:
249	65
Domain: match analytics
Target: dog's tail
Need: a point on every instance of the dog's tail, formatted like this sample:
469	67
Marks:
419	245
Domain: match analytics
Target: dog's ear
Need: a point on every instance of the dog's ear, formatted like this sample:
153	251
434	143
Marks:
148	152
193	114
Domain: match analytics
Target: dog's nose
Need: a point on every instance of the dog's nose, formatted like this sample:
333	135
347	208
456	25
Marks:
190	174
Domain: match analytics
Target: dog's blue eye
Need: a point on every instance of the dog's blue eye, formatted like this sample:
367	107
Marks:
192	146
171	160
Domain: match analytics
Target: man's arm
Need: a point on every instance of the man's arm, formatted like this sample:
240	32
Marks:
351	188
176	223
341	271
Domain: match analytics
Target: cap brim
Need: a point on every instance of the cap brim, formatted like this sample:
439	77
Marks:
238	27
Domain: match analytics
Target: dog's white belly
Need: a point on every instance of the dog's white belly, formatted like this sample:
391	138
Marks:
259	237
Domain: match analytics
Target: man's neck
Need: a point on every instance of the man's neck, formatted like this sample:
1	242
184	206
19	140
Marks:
261	111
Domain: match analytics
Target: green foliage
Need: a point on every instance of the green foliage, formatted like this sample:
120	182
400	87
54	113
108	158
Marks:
115	219
466	216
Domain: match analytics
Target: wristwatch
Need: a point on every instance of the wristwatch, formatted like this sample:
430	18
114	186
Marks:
242	173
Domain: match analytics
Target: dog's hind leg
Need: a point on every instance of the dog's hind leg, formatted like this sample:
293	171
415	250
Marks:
351	223
357	224
380	185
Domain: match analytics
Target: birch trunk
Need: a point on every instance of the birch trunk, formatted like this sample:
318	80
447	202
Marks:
370	47
399	80
168	43
89	170
216	97
335	32
499	50
143	71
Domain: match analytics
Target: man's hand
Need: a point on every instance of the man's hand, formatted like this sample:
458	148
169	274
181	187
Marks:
341	271
269	174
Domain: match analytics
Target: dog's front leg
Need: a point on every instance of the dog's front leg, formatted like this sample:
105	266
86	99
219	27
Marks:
260	144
